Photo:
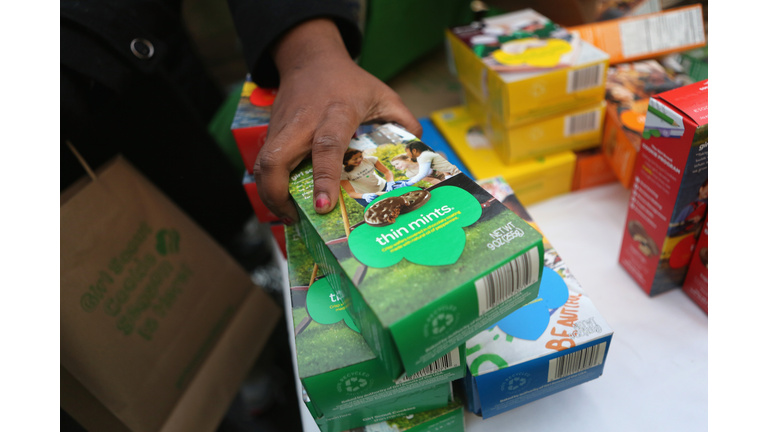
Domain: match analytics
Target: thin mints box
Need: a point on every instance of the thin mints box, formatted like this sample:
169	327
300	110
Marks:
346	385
553	343
425	257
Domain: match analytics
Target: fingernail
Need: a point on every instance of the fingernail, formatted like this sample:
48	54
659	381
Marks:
287	221
322	201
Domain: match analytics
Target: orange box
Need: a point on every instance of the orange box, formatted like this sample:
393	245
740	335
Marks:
647	36
627	91
592	169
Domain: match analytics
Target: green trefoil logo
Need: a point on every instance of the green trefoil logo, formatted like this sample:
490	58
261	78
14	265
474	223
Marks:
325	305
431	235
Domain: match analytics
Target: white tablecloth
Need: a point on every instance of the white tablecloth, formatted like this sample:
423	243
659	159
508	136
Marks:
655	376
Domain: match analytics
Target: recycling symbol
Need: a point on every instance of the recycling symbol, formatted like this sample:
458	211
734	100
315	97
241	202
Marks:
441	322
515	383
354	384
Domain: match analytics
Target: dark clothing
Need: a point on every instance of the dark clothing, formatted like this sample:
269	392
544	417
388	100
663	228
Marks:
260	23
132	83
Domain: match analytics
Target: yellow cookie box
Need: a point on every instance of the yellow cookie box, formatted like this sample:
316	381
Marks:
533	180
524	97
577	129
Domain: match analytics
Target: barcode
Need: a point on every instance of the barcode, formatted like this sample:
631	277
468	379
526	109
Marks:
507	280
448	361
582	123
663	32
578	361
585	78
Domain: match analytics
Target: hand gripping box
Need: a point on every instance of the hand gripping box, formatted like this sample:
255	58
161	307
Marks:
432	258
249	126
628	88
668	203
696	283
346	384
446	419
535	179
553	343
525	68
576	129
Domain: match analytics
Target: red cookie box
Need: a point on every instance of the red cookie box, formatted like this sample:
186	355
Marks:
263	214
249	126
668	203
278	231
696	281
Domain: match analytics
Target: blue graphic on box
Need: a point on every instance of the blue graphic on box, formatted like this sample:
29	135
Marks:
530	321
511	387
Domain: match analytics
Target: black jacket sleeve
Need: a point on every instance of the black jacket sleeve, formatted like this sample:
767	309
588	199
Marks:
260	23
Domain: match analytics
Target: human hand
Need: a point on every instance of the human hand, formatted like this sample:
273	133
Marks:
368	197
324	96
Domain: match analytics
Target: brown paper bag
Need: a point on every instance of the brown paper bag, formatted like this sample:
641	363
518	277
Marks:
159	325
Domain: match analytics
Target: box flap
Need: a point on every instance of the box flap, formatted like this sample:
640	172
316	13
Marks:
691	100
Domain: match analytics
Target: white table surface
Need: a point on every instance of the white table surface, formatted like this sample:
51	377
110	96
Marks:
655	376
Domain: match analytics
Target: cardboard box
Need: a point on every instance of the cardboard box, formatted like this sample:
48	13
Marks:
646	36
551	344
538	82
628	88
346	383
573	130
447	419
249	127
592	169
696	283
534	180
669	196
420	264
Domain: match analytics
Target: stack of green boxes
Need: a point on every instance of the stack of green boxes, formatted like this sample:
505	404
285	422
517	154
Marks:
387	287
534	89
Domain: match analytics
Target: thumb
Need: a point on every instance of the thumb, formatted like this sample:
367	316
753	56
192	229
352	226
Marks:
330	142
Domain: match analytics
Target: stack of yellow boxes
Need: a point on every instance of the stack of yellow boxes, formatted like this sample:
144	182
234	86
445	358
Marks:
535	90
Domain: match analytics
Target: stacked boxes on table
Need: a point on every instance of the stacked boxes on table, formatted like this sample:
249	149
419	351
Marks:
409	267
533	180
532	86
536	179
668	204
346	385
551	344
411	253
